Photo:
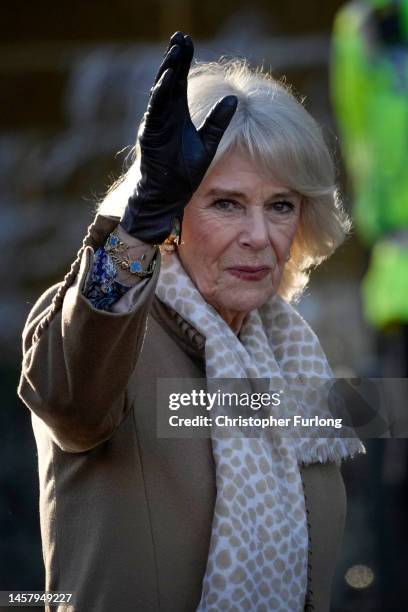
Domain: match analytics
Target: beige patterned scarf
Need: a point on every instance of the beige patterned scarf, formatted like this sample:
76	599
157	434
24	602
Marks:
259	542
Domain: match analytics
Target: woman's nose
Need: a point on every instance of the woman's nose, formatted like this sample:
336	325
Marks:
254	232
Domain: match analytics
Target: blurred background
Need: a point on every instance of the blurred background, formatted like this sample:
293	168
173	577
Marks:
75	80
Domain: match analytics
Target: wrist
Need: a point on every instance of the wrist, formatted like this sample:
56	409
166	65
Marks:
132	258
131	241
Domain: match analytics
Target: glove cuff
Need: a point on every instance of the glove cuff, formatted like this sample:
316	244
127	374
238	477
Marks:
152	227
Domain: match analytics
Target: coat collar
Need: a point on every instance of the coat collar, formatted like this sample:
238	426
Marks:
186	336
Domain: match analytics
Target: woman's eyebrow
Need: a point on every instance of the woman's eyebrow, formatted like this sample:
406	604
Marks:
226	193
284	194
233	193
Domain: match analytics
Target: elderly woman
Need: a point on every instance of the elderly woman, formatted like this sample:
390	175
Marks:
134	521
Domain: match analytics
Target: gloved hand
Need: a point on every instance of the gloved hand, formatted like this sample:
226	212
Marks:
174	155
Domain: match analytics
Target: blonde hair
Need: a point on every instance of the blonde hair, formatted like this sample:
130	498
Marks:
276	131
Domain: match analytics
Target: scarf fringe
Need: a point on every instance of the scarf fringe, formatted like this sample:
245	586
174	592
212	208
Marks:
340	450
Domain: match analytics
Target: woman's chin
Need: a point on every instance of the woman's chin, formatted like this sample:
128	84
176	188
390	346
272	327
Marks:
245	299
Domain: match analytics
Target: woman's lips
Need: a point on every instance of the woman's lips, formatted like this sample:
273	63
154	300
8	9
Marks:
252	273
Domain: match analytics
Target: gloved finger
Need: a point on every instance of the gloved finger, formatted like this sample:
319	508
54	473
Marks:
187	52
171	58
161	94
176	39
216	122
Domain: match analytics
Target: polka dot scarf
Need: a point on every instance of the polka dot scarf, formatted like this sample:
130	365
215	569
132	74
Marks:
259	541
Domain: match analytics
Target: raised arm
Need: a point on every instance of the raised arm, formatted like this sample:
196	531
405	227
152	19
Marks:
77	358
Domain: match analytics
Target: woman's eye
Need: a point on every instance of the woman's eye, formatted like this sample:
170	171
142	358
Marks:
283	207
225	205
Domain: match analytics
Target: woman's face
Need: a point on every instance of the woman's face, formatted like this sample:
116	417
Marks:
236	236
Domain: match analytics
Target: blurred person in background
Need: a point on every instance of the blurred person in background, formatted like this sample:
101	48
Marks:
370	93
369	80
190	275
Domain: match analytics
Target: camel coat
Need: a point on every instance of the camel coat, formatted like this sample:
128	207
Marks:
126	515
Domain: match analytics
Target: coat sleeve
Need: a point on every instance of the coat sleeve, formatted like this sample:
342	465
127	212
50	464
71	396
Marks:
77	360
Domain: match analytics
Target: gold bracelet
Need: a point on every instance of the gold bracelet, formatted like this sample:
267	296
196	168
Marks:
117	251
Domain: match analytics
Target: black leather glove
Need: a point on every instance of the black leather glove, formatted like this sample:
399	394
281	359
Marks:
174	155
